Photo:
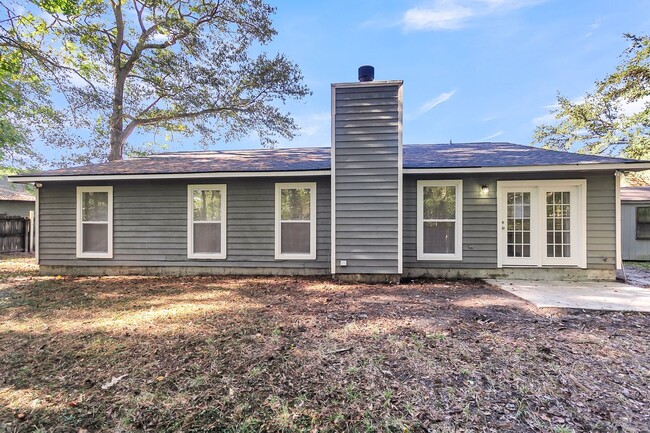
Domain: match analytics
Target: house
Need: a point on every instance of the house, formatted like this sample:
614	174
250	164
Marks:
635	223
15	201
368	208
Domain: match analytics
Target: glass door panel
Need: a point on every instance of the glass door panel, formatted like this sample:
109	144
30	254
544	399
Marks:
518	224
519	220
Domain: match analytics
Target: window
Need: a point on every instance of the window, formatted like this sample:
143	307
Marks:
206	219
295	221
643	223
439	216
95	222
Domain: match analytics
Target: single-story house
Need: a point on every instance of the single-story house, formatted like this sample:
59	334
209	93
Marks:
368	207
15	201
635	223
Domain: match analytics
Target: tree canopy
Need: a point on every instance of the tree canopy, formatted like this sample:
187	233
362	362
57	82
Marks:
193	68
615	118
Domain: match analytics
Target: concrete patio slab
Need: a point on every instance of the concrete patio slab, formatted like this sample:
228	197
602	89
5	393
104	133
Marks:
589	295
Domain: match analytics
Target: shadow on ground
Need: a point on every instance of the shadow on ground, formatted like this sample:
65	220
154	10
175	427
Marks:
285	354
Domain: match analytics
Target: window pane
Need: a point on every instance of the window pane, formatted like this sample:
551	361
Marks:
643	215
295	238
295	204
439	238
207	205
439	202
207	238
95	238
94	206
643	223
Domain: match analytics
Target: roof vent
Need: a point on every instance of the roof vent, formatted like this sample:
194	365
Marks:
366	73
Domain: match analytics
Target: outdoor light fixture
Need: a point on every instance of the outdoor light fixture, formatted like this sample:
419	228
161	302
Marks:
38	184
485	189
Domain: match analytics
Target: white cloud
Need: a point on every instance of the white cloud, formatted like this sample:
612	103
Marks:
456	14
489	137
431	104
593	27
631	108
542	120
441	17
314	124
551	108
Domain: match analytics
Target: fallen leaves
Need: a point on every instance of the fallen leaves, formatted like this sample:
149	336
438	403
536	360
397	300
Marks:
307	354
114	381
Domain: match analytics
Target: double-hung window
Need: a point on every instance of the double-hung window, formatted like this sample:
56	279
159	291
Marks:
206	219
95	222
295	221
439	220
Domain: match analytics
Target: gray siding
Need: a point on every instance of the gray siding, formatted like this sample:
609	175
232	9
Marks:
633	248
16	208
150	225
480	221
367	145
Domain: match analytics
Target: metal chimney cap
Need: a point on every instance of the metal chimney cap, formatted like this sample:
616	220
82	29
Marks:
366	73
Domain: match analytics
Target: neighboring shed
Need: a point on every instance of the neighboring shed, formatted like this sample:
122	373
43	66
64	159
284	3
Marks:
635	223
15	200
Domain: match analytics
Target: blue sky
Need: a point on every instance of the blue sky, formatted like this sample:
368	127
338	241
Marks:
473	70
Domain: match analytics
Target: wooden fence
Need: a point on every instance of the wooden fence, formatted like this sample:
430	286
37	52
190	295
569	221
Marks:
15	234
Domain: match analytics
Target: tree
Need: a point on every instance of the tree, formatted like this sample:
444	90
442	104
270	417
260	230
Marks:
181	66
23	94
615	119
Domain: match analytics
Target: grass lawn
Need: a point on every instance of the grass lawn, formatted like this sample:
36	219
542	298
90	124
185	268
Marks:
120	354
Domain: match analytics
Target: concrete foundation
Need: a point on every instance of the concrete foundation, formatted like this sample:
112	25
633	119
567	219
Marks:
541	274
175	270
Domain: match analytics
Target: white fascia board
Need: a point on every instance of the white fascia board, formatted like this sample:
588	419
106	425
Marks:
215	175
369	83
533	168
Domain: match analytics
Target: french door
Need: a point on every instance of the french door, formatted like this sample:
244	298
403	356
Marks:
541	223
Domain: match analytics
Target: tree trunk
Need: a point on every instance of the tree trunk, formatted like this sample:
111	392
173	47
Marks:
117	133
116	121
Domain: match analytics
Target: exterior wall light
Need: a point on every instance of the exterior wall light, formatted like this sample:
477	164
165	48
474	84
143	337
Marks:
485	189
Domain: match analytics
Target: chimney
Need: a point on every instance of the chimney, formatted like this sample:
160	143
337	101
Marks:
367	177
366	73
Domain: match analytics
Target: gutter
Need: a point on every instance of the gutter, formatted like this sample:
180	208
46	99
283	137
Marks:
212	175
632	166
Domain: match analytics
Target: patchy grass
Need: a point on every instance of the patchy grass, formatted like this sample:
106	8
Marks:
637	265
281	354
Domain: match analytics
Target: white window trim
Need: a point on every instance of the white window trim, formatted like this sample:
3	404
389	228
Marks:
312	220
458	248
190	221
580	259
94	255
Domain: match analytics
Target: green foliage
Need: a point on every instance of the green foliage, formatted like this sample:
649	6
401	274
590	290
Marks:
180	66
615	118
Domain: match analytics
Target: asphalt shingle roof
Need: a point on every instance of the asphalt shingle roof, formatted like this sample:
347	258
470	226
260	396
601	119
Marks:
456	155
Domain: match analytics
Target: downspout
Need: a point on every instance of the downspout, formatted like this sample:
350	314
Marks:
333	186
37	223
619	261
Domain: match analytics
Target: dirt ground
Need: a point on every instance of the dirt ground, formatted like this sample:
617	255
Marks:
118	354
637	273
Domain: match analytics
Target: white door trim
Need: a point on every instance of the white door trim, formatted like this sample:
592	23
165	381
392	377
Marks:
578	231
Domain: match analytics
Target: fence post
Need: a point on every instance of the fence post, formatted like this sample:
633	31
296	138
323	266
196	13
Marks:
25	235
31	231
